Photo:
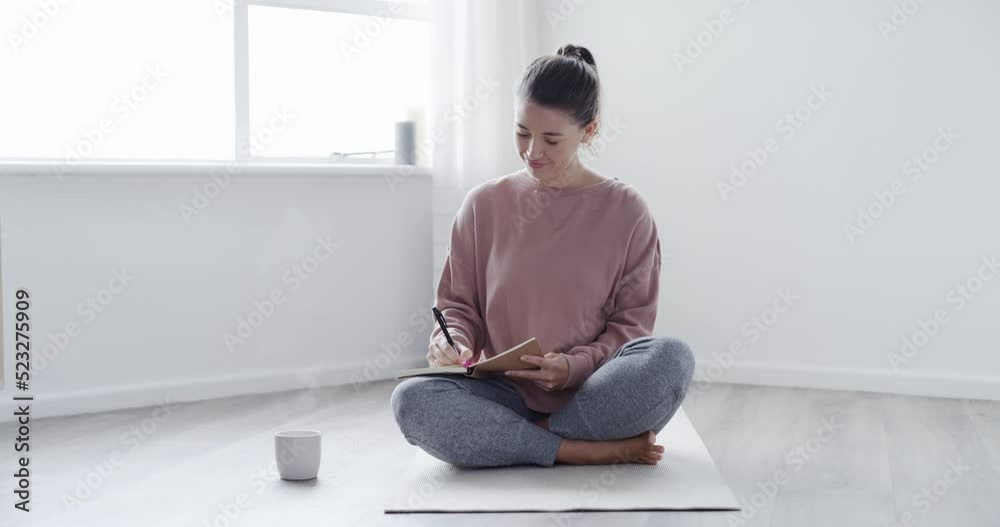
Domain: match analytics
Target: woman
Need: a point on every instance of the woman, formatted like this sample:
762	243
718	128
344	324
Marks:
558	252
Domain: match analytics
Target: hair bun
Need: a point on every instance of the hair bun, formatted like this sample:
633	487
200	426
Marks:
577	52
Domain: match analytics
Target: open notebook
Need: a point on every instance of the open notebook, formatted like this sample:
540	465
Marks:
508	360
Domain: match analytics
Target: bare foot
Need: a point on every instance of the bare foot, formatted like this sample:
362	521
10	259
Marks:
640	448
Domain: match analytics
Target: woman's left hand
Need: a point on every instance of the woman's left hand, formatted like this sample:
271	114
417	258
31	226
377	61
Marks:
553	372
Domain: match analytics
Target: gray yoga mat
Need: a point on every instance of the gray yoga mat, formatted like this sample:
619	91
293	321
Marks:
685	479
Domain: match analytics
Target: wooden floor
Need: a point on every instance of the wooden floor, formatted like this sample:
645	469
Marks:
211	463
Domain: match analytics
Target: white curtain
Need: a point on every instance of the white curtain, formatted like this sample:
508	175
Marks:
479	45
479	48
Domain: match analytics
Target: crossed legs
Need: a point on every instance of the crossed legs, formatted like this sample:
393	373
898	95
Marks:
612	417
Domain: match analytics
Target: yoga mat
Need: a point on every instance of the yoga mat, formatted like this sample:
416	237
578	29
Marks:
685	479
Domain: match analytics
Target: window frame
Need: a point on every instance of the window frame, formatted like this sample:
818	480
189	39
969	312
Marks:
241	95
241	61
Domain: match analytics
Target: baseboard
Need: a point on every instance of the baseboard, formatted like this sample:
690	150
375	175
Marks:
141	395
745	372
916	383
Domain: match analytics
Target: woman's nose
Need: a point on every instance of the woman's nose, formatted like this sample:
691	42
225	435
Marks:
532	151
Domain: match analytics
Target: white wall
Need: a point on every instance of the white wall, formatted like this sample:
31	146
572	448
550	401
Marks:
161	336
783	229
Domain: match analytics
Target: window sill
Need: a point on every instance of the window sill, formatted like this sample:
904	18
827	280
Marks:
205	168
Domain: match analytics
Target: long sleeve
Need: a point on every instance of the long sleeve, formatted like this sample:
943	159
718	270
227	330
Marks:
633	312
457	291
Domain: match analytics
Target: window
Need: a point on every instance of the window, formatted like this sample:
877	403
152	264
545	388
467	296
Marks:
334	82
115	79
303	80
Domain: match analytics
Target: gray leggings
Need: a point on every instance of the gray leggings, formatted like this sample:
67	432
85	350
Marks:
485	423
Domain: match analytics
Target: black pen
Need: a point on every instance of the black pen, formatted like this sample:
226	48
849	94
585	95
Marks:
444	329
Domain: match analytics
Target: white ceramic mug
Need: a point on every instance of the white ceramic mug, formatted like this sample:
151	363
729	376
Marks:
297	453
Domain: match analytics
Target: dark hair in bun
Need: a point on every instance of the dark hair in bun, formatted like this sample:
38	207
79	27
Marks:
569	50
566	81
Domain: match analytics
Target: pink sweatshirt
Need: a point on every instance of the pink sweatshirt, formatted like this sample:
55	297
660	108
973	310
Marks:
576	268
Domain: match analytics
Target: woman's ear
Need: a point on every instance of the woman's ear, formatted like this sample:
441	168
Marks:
589	132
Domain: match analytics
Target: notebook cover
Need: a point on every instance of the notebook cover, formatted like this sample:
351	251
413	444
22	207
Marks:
508	360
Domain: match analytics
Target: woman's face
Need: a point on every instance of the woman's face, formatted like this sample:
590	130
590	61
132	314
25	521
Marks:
547	140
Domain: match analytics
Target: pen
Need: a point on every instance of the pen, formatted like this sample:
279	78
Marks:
444	329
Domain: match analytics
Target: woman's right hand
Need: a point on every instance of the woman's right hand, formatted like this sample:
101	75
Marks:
440	353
